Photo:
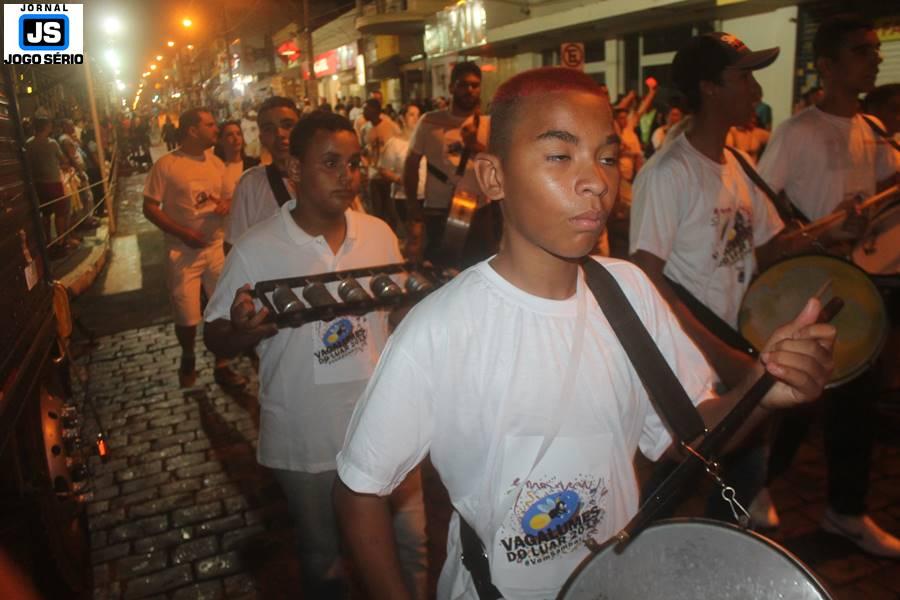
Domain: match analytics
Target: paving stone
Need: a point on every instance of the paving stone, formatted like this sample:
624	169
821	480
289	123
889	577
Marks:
109	553
218	492
195	550
105	493
158	582
196	445
164	453
199	512
134	485
205	468
186	460
208	590
160	505
109	592
174	440
228	523
180	487
107	519
136	498
101	575
239	585
189	425
164	540
218	566
96	508
141	564
131	449
233	540
139	528
153	435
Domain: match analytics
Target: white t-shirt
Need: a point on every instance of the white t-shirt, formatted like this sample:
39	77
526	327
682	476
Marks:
820	160
704	219
233	171
438	138
472	375
393	157
253	202
311	376
184	185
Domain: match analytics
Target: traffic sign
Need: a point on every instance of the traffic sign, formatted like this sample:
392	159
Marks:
571	55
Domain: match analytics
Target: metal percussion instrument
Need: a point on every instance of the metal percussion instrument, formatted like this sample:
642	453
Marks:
878	252
350	290
285	300
286	310
416	282
318	295
779	293
687	559
384	287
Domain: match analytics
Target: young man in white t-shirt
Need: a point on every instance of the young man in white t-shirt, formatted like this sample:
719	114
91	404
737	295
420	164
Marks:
183	197
825	158
477	370
311	376
254	199
444	137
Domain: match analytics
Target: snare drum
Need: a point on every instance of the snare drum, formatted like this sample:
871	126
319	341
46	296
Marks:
878	252
779	294
694	558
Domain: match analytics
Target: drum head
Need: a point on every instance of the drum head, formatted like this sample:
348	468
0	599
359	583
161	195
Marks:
879	250
779	294
687	559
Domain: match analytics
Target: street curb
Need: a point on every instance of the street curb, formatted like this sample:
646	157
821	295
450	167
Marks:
81	277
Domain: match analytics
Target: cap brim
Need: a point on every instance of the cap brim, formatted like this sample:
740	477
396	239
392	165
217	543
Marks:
757	60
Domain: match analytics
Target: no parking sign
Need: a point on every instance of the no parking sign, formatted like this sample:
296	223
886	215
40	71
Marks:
571	54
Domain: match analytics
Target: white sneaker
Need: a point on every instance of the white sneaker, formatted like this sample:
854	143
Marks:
762	511
862	531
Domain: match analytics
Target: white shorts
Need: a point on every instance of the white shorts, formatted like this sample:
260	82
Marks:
187	270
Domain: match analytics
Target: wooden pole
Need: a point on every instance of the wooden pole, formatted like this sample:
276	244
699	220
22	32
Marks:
101	154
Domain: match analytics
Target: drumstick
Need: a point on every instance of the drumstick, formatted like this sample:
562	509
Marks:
818	295
834	218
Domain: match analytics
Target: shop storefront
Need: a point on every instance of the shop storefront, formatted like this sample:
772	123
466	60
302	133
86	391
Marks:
337	74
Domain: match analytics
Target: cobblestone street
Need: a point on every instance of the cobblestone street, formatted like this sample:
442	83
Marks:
182	510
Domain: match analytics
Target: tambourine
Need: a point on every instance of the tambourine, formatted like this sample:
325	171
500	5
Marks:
351	292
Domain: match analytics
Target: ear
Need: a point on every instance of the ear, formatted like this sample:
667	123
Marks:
707	89
823	66
293	168
489	172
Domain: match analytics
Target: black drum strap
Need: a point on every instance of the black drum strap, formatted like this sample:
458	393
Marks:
787	210
279	190
880	132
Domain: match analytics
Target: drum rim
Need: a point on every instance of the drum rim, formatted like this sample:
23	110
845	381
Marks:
759	538
882	338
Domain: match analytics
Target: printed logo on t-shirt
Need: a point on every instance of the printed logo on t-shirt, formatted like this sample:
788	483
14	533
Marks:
200	199
554	518
735	238
340	340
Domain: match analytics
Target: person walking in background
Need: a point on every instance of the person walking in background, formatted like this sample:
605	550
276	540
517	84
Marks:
230	150
391	161
46	160
170	134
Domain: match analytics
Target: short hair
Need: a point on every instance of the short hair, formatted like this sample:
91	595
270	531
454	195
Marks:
509	97
40	123
318	120
880	96
190	118
374	103
833	32
276	102
461	69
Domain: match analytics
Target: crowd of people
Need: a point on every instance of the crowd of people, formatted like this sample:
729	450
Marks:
510	377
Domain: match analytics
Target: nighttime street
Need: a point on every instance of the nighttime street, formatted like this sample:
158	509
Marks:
450	300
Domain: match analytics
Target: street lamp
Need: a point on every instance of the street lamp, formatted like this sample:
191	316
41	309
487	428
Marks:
170	44
112	25
159	57
190	46
186	22
152	66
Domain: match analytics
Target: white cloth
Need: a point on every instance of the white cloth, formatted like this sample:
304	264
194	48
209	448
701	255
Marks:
820	160
393	157
253	202
472	374
306	399
233	172
703	219
438	138
184	185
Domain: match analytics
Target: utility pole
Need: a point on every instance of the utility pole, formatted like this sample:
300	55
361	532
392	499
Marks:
101	152
311	85
230	86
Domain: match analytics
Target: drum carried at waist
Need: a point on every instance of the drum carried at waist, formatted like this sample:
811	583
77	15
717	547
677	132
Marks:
780	292
878	252
693	558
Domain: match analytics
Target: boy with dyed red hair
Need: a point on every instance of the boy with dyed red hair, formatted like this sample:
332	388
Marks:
511	377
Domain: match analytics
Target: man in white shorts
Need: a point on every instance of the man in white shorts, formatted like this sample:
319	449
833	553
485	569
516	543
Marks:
263	188
824	159
182	197
311	376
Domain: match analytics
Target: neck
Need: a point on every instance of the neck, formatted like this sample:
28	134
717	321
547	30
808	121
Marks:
458	111
534	270
231	157
707	134
332	227
840	102
192	148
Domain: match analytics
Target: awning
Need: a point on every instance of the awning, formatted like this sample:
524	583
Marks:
386	68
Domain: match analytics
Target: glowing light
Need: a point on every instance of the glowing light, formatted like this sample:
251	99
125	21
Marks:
120	85
159	57
190	46
112	25
187	22
166	77
170	44
28	89
152	66
112	58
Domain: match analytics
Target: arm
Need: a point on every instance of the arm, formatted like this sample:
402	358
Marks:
730	364
648	100
366	528
153	212
247	327
626	100
415	225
